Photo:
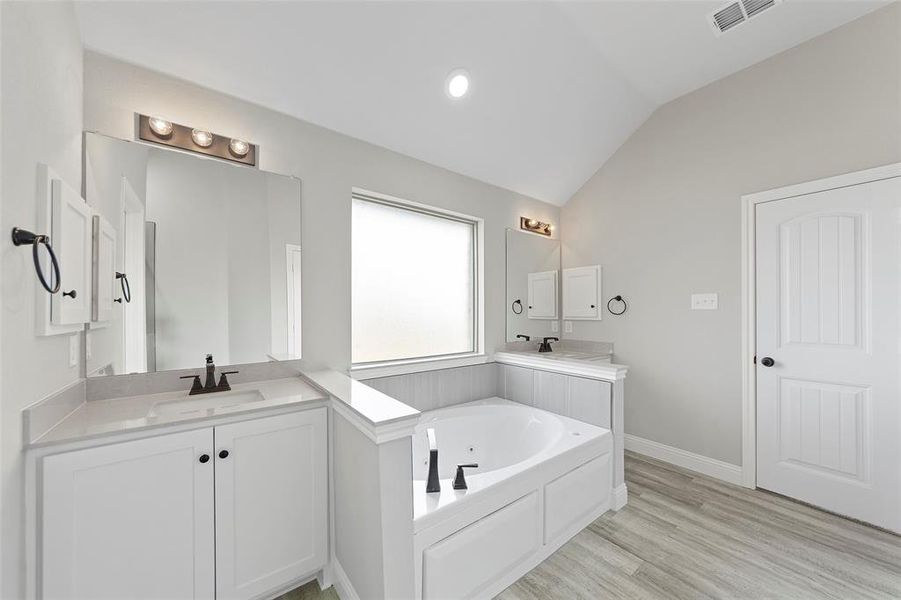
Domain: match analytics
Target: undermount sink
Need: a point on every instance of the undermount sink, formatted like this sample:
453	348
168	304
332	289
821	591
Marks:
201	405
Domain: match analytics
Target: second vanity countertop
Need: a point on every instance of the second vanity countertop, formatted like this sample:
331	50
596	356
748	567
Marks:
96	418
583	359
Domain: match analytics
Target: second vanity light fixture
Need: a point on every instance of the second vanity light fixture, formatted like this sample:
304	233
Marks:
193	139
535	226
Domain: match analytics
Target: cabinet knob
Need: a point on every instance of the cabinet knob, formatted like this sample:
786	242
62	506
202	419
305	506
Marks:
766	361
223	454
72	294
593	306
204	458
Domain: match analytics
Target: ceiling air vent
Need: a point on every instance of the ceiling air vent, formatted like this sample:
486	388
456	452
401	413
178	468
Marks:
726	18
755	7
736	13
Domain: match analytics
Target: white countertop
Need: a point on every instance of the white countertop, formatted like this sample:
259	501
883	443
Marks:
594	365
375	407
96	418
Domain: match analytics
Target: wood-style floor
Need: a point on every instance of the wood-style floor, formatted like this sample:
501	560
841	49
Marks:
684	535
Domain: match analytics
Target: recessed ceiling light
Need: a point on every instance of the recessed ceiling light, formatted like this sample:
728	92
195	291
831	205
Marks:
161	127
457	84
202	138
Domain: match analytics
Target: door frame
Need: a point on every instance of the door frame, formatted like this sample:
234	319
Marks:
749	204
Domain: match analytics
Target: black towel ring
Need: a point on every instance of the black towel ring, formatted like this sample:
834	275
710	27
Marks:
617	299
513	307
22	237
126	288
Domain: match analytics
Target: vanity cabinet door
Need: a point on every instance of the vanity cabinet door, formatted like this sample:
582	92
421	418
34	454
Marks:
130	520
271	503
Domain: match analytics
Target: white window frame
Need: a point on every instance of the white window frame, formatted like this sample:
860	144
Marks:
425	363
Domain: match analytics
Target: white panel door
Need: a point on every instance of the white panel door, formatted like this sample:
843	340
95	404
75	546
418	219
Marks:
271	502
582	293
72	228
130	520
828	418
104	277
543	295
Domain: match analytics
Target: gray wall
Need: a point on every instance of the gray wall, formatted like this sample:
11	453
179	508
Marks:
329	164
41	119
663	216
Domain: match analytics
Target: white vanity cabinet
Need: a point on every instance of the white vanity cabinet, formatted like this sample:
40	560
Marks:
233	511
129	520
582	293
271	503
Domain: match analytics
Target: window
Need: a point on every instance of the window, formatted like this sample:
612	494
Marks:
415	289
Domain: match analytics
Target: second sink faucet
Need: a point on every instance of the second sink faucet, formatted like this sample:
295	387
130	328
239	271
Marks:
210	385
546	344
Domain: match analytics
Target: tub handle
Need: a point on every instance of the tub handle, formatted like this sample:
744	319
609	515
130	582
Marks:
459	479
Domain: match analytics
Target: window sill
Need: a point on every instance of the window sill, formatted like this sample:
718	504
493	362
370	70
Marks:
418	365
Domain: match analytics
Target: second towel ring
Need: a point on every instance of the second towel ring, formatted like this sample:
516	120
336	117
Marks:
22	237
126	288
617	299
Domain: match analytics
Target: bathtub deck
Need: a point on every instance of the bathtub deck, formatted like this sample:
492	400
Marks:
685	535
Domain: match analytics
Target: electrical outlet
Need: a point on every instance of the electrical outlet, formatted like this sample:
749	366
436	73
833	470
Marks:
704	301
555	326
73	350
567	326
87	345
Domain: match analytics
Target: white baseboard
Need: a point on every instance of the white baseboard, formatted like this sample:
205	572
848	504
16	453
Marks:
620	496
687	460
343	587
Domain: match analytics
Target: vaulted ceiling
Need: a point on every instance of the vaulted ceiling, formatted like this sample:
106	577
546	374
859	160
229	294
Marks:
556	87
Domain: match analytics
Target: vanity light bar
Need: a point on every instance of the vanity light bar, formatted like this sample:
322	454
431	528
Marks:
193	139
535	226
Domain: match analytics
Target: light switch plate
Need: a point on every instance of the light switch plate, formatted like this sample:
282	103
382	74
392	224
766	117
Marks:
555	326
73	350
704	301
567	326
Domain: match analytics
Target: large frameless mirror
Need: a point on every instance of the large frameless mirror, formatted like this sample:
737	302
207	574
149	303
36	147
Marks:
203	256
533	286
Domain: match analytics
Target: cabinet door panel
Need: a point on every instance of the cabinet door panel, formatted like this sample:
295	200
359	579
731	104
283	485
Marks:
271	502
582	293
129	520
72	227
543	295
104	269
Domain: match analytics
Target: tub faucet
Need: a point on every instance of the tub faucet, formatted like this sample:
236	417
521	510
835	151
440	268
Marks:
546	344
433	484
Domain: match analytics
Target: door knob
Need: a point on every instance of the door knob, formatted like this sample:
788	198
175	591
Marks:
766	361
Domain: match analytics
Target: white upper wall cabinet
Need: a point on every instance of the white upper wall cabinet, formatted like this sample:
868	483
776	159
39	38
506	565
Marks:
104	267
543	295
582	293
71	233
